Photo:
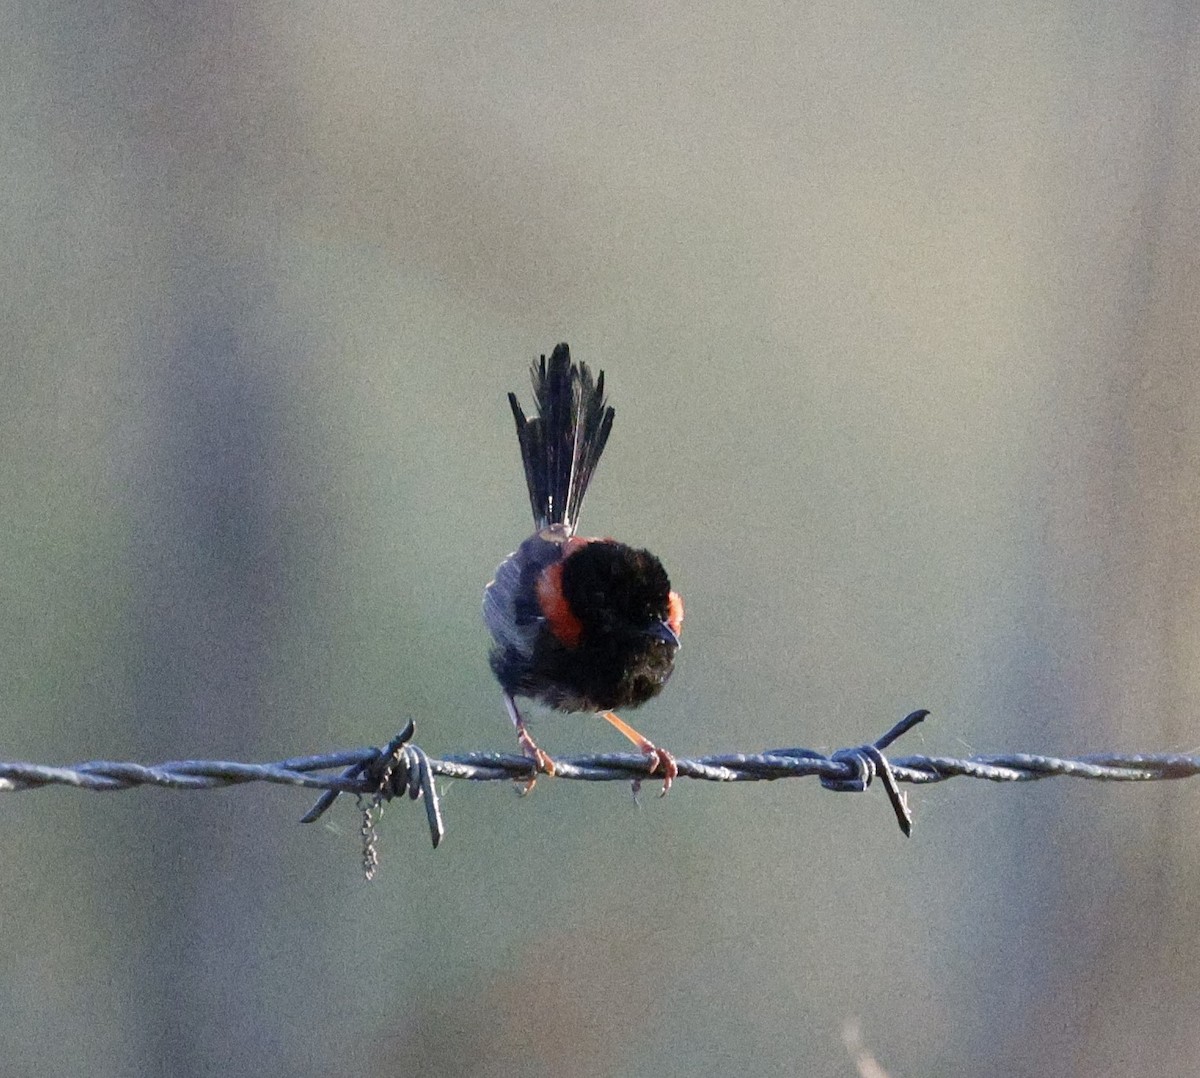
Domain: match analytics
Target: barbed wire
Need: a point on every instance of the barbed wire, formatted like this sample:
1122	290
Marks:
401	768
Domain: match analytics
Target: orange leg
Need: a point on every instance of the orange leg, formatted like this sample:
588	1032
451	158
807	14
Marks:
661	760
542	762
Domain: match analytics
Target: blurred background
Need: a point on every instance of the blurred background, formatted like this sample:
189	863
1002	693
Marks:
898	308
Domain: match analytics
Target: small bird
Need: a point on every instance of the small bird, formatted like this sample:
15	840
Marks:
578	624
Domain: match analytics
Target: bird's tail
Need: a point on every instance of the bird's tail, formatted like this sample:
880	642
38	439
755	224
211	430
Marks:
562	443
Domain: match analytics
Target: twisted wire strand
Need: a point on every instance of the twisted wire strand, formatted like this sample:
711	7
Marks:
401	768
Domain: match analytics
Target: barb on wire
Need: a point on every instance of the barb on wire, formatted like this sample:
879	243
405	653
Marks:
401	768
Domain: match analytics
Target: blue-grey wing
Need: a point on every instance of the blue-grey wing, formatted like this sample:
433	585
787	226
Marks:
510	605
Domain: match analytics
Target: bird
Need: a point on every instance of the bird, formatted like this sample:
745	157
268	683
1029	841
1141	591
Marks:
579	624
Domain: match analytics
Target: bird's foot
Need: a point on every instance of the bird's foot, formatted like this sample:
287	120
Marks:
542	762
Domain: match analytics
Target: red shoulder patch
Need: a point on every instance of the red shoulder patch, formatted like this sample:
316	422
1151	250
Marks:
560	618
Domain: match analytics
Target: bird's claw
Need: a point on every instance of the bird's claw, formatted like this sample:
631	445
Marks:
542	762
663	761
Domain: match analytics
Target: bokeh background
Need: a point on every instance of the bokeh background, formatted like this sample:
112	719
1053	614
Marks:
898	305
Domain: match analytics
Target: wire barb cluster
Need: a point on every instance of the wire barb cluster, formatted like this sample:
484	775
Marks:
401	768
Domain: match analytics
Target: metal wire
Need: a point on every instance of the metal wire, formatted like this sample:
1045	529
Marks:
400	768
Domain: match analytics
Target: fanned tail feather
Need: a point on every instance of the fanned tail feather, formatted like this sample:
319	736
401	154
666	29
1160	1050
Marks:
562	443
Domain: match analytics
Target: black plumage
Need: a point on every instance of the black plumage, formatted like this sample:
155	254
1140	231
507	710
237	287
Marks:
562	443
577	624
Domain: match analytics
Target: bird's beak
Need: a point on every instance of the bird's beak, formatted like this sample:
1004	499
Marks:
660	630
